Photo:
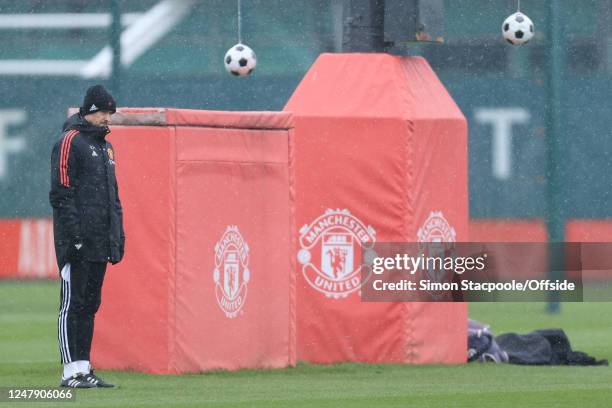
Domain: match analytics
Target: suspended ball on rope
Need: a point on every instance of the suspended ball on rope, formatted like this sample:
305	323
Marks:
518	29
240	60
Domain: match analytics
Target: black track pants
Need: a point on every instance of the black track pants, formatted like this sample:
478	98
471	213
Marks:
81	295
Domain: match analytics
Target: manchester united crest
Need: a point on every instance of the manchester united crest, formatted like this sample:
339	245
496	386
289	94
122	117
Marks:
436	229
436	238
331	252
231	274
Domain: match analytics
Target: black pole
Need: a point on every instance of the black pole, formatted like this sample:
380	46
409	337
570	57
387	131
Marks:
115	41
364	26
555	210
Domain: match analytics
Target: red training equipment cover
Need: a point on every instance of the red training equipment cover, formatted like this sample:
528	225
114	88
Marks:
380	156
207	281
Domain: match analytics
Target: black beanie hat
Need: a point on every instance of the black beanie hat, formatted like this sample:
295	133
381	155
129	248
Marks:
98	99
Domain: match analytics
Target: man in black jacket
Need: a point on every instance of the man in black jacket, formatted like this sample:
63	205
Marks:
87	227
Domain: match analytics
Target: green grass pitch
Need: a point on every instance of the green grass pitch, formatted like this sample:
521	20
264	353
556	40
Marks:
29	358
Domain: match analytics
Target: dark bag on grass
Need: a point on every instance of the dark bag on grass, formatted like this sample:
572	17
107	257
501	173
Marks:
543	347
482	346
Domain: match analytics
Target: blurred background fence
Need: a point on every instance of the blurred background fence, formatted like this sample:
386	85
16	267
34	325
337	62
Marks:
48	57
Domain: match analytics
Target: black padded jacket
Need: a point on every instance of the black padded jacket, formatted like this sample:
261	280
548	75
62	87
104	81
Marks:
87	213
